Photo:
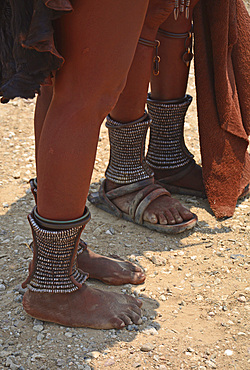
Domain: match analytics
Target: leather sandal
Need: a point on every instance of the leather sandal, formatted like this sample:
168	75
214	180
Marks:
147	192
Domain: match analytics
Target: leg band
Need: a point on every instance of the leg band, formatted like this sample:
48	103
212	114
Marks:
188	54
127	151
156	60
33	186
54	267
167	149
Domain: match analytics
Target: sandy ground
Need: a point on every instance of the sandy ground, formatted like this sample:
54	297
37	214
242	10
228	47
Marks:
195	298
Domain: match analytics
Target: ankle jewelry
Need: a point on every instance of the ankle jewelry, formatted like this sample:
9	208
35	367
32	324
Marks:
167	149
55	243
156	60
33	186
187	55
127	151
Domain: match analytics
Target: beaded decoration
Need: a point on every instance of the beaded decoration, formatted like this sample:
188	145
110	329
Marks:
54	267
127	151
167	149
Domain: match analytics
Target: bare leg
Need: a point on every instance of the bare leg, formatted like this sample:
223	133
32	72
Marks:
172	83
112	271
131	105
86	89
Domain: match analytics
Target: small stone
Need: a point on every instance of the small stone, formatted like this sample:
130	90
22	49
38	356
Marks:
150	331
2	287
94	354
193	258
137	364
242	299
68	334
189	349
211	313
108	232
38	328
147	347
158	260
132	327
210	364
16	175
40	337
236	256
162	297
228	352
18	288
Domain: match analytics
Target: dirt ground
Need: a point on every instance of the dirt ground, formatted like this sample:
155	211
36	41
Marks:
195	298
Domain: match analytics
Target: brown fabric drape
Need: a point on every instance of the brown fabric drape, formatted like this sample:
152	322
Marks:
222	60
28	55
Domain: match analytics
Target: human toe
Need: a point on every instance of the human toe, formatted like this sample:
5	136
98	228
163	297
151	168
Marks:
162	218
176	215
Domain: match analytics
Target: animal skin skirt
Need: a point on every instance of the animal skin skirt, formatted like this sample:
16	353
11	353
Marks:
28	54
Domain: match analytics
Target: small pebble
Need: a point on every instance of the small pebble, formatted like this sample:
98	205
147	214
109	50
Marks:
158	260
38	328
147	347
68	335
242	299
228	352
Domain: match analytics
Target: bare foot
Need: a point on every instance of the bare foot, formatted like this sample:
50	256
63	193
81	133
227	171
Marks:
86	307
110	270
191	180
164	210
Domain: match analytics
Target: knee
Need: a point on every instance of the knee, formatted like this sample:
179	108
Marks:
89	104
158	12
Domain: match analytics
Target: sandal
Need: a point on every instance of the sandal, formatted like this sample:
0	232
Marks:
147	192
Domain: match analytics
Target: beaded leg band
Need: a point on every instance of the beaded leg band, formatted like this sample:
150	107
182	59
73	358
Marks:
33	186
167	149
127	148
55	243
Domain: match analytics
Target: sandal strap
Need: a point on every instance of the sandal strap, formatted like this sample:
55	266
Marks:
147	201
140	196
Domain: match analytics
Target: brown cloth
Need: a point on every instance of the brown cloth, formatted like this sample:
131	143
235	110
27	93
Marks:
28	55
222	60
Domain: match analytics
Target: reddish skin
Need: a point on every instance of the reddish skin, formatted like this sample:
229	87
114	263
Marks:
131	104
85	90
